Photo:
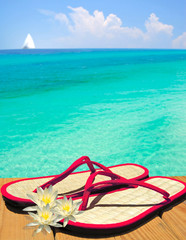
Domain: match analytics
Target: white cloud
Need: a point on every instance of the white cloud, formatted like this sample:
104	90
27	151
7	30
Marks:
46	12
112	21
96	30
154	26
99	26
96	24
83	22
61	18
180	42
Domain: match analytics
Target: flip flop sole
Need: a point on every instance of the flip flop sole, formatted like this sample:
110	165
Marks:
120	210
16	192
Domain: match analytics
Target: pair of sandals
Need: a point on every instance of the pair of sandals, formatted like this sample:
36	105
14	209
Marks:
114	199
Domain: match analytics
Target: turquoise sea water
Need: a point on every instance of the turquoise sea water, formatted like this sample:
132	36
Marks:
115	106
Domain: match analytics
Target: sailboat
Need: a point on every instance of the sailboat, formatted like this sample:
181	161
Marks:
29	43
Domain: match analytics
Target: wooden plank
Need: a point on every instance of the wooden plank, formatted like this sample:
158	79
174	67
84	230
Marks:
155	229
181	178
12	225
176	220
176	217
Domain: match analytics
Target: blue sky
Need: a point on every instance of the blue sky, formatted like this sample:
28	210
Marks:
93	23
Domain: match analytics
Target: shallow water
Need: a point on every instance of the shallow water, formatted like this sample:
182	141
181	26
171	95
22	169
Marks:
115	106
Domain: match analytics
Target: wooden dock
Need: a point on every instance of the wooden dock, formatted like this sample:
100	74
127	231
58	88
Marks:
171	225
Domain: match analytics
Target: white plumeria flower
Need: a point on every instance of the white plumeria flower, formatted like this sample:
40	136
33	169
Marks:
42	198
67	209
44	219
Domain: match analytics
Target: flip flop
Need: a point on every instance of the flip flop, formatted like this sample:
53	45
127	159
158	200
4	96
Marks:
67	183
125	207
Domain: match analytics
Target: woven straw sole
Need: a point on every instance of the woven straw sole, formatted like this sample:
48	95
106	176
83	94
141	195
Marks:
123	207
73	183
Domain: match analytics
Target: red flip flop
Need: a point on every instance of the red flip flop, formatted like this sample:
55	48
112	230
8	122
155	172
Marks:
131	204
67	183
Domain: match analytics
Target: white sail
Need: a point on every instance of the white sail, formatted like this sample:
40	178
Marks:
29	43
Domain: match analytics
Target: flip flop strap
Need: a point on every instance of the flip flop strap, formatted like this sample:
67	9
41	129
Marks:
89	184
91	178
122	182
115	180
82	160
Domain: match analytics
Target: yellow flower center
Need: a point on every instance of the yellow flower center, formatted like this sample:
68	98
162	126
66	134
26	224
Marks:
66	208
45	215
46	200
